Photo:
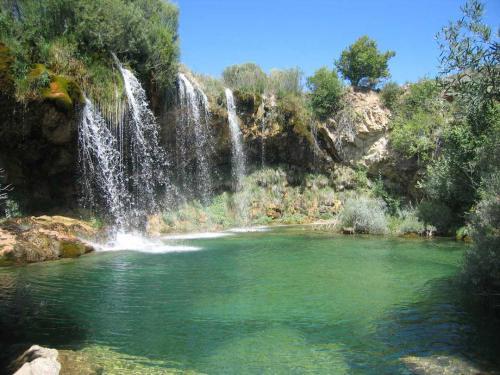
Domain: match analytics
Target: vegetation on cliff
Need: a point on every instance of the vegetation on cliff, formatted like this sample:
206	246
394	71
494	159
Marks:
74	40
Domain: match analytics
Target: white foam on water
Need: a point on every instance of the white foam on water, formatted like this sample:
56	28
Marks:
136	242
197	236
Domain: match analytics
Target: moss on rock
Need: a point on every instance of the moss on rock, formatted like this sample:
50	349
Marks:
63	91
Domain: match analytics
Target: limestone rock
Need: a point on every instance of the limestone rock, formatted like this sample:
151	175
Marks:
38	360
358	135
36	239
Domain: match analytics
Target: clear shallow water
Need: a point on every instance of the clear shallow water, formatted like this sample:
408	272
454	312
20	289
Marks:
290	300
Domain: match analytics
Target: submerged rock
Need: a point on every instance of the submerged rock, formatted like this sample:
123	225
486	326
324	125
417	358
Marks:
38	360
442	365
37	239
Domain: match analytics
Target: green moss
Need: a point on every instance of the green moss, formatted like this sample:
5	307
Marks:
64	92
71	249
6	61
6	260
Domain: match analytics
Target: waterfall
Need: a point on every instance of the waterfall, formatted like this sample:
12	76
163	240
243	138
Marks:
100	164
237	159
121	161
193	131
148	161
237	153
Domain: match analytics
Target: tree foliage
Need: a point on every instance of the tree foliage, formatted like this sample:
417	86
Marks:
326	92
363	64
419	119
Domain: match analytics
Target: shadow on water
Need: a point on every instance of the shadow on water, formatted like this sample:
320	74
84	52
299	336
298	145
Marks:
446	321
26	319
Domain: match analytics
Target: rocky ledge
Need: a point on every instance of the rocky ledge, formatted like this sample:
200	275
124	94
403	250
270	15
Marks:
37	239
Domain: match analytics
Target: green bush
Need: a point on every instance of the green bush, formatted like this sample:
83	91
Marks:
284	82
362	61
364	215
482	260
436	214
421	116
409	223
72	36
326	93
248	77
391	94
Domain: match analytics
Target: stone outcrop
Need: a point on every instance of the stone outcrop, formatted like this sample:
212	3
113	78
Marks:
358	134
36	239
38	360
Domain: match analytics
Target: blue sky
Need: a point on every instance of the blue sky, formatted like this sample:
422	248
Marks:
312	33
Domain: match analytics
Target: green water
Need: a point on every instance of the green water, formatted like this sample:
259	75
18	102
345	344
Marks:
291	300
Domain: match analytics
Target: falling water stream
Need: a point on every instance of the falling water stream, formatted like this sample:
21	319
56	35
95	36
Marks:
122	163
193	134
237	153
237	157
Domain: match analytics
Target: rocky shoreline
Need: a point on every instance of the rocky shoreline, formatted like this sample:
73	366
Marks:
37	239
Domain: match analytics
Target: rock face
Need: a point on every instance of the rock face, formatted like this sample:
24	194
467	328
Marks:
38	360
36	239
38	146
358	135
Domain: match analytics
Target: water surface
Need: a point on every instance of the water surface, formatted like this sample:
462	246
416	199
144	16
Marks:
290	300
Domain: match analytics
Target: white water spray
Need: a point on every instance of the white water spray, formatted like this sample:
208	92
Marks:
193	132
237	153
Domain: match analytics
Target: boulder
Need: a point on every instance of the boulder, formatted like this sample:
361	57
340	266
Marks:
37	239
38	360
442	364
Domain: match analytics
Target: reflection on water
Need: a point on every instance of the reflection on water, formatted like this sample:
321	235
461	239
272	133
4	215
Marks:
282	301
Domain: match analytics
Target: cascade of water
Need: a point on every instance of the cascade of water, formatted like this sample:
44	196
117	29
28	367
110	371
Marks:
237	153
122	163
193	131
100	164
148	160
237	159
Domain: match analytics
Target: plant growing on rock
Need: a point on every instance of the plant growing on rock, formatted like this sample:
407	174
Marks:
326	93
391	94
248	77
363	64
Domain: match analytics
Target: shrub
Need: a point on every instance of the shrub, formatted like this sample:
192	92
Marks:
417	136
482	260
284	82
391	95
364	215
436	214
247	77
410	223
326	93
363	61
71	36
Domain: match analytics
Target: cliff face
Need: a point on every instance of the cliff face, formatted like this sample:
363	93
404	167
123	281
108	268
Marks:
39	142
38	147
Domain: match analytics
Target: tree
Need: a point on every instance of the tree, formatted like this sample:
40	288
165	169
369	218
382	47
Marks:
326	92
467	174
363	64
